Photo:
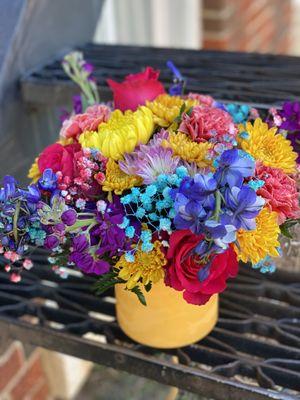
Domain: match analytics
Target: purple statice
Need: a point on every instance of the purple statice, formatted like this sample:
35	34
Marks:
233	166
85	261
100	240
290	115
106	234
149	161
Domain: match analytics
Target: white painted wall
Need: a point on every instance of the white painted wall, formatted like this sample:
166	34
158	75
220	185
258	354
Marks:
171	23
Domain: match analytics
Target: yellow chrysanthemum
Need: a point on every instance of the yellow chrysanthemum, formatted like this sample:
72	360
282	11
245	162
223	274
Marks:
121	133
146	266
188	150
257	244
166	108
116	180
272	149
34	173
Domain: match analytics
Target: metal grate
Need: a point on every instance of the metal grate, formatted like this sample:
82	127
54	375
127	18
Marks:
261	80
253	353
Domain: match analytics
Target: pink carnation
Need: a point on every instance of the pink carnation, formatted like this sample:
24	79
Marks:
279	191
203	99
205	123
89	121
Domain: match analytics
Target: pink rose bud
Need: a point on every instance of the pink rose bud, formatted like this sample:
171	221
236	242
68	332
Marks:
15	278
27	264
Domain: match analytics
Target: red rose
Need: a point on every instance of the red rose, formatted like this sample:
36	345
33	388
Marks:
182	268
136	89
59	158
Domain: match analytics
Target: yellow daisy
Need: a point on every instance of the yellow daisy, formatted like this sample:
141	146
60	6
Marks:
121	133
146	266
166	108
34	173
188	150
257	244
116	180
272	149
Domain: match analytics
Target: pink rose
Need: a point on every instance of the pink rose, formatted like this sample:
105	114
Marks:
59	158
89	121
279	191
136	89
182	268
205	123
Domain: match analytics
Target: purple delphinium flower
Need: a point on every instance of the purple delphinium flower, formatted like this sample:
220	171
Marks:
77	104
233	167
244	205
149	162
179	82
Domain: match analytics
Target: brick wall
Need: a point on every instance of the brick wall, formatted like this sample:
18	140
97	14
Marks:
247	25
22	378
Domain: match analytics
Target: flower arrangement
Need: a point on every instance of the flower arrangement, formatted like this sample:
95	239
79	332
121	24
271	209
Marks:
161	186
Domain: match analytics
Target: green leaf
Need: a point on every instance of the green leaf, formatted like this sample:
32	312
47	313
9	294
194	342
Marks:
285	227
148	287
136	290
285	231
107	281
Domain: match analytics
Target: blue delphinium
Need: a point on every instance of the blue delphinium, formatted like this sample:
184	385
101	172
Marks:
217	205
179	82
233	166
19	220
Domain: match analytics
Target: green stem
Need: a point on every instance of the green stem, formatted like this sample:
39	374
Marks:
217	206
15	221
80	223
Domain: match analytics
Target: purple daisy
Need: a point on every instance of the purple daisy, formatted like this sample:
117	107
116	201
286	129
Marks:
149	162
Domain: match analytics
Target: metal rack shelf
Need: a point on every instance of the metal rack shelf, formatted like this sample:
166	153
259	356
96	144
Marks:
253	353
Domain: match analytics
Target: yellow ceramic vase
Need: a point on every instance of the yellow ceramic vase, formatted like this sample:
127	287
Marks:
167	321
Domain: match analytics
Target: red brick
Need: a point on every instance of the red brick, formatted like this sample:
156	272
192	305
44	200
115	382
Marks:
221	44
40	391
10	363
31	373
